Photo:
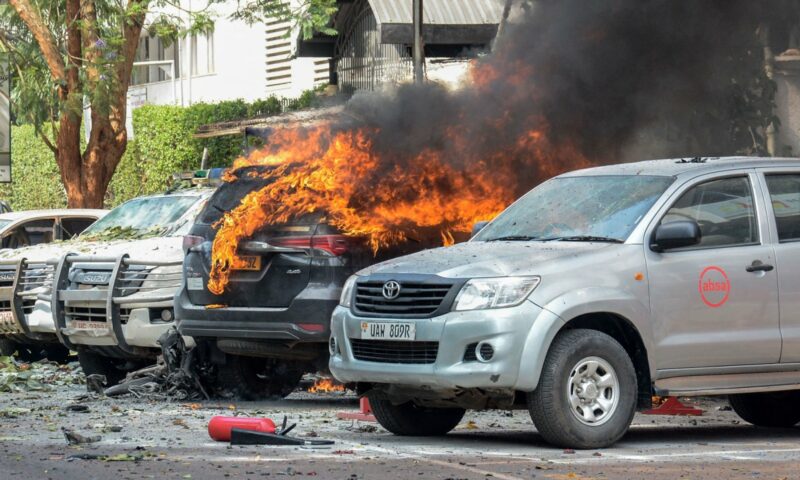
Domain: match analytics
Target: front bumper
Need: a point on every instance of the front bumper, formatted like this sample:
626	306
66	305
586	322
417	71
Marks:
510	331
115	314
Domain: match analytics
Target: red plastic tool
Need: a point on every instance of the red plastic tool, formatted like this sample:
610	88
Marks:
673	406
364	415
219	428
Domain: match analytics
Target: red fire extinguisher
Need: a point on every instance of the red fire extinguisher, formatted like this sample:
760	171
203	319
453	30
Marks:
219	428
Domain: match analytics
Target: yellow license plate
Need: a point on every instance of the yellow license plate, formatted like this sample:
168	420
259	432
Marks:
248	262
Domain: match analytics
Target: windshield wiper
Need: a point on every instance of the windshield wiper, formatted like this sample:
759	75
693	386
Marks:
513	238
584	238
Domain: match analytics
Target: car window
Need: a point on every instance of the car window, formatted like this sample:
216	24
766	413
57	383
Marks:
784	191
142	217
73	226
594	206
30	233
723	209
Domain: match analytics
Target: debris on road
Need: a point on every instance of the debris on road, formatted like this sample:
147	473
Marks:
75	438
41	376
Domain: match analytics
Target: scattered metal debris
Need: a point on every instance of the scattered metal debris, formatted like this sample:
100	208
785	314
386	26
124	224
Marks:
75	438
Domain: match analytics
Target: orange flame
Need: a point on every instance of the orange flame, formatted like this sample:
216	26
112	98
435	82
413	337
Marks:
386	198
325	385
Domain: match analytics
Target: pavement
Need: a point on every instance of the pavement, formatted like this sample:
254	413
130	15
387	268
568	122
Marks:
165	440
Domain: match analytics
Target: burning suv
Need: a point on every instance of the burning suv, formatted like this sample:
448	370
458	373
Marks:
23	280
271	325
591	293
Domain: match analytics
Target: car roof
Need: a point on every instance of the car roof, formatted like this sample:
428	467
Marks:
56	212
674	167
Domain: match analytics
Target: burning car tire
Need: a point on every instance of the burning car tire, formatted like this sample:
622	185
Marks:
408	419
94	364
252	378
770	409
586	396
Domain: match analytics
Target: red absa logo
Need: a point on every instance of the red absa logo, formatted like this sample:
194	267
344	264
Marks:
714	287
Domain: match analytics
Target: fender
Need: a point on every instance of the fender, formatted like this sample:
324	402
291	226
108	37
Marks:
557	313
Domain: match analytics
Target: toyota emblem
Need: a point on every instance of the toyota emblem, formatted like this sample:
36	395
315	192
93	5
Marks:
391	290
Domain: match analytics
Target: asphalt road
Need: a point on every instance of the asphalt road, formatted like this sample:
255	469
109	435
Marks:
169	440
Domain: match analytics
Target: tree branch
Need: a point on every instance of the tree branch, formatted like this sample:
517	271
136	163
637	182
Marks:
44	37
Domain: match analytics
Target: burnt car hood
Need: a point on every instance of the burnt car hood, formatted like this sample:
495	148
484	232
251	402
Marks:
485	259
156	248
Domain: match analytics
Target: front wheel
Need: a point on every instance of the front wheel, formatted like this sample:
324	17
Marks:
587	391
768	409
111	368
409	419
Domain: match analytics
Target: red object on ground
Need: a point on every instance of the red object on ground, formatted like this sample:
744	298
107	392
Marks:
673	406
365	415
219	428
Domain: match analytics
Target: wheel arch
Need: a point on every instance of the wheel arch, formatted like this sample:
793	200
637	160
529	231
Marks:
625	332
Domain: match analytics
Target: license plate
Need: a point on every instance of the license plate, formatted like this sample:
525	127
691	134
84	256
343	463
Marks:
6	317
388	331
247	262
84	325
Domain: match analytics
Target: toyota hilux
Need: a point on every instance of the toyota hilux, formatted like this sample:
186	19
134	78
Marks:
594	291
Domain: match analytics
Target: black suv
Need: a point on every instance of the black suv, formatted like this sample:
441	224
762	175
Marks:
272	323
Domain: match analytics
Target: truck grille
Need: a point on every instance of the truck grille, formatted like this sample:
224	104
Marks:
86	314
415	299
386	351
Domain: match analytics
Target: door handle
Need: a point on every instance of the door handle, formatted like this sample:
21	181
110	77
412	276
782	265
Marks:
759	266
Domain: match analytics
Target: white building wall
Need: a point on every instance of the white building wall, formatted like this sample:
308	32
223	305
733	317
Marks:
237	61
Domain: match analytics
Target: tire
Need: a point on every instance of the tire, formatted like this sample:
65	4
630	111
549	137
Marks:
94	364
769	409
57	353
251	378
575	354
24	352
410	420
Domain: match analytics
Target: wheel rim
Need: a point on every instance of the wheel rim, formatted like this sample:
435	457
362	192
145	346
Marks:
593	391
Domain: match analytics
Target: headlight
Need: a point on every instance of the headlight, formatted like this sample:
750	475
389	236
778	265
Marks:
347	292
483	293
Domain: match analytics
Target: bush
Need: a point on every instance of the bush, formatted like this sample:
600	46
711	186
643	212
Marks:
36	182
163	144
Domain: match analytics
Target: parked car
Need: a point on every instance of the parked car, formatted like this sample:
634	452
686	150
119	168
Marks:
591	293
272	323
112	304
28	228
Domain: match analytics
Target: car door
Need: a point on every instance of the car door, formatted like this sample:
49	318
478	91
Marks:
783	189
716	304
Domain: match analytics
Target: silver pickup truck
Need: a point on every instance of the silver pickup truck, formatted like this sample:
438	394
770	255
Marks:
591	293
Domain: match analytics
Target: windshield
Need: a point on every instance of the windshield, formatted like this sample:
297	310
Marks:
579	208
4	224
142	217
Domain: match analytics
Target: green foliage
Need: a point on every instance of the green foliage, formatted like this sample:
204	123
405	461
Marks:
36	181
164	142
309	16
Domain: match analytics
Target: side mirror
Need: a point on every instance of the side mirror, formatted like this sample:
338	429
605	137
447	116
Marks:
478	227
684	233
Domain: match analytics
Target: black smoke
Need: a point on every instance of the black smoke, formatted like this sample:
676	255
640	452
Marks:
605	81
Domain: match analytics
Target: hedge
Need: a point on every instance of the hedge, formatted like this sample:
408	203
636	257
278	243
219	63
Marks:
36	182
163	144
